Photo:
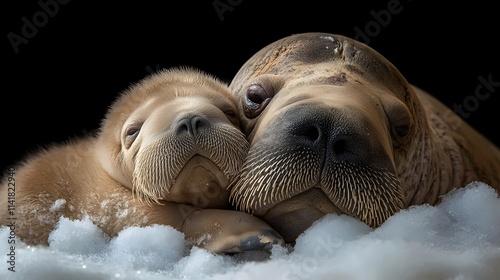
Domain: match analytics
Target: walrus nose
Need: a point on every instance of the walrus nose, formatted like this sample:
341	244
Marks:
191	125
334	138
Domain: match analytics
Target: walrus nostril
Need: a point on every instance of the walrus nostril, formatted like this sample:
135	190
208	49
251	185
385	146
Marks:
308	132
339	147
191	125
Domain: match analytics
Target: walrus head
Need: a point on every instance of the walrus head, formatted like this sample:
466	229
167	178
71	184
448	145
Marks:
174	136
326	118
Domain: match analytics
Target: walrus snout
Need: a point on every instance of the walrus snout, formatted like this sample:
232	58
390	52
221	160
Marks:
189	151
333	135
319	149
191	125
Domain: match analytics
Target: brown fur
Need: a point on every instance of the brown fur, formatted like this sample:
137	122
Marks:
99	176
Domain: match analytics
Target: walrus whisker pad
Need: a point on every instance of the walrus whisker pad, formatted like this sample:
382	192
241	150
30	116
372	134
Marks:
369	194
237	145
150	185
157	167
278	179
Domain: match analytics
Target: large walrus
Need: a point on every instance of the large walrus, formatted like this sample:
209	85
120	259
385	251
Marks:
335	128
164	154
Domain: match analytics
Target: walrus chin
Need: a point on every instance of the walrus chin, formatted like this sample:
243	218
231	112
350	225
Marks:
290	191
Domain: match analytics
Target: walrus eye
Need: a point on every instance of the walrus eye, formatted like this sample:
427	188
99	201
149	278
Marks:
400	129
256	99
231	115
131	134
400	120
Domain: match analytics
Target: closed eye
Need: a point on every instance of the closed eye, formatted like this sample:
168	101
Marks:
232	117
131	134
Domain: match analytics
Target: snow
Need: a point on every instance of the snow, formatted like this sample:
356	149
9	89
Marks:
458	239
58	204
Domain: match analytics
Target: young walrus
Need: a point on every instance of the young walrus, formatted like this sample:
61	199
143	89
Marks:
164	154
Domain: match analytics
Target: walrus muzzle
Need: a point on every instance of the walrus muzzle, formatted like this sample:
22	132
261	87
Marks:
330	150
184	150
186	168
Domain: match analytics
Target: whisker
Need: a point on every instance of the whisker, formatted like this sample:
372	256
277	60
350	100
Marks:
269	177
159	163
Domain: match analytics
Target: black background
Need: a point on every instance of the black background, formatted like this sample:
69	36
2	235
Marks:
60	83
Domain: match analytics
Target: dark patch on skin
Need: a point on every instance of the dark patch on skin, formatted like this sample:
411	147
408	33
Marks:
265	241
338	79
313	50
358	81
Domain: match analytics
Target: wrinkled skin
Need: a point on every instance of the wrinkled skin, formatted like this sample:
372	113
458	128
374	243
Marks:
335	128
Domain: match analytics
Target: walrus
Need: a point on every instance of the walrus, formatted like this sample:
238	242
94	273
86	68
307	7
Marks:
164	154
334	127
